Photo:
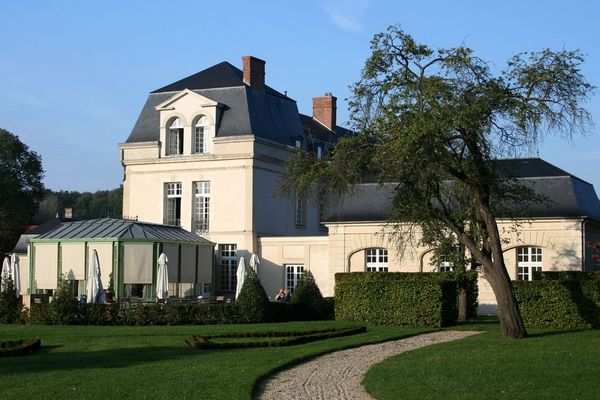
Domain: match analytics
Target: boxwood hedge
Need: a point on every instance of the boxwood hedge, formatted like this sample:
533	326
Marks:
573	303
396	298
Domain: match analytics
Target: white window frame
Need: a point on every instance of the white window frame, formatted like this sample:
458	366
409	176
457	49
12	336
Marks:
293	273
376	259
529	260
446	266
201	135
201	206
319	151
175	138
229	261
173	196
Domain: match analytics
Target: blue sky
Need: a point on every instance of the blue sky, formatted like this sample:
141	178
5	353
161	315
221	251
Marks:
75	74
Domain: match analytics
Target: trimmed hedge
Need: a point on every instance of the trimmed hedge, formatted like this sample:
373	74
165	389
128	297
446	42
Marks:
308	295
566	275
396	298
288	338
253	302
566	304
21	347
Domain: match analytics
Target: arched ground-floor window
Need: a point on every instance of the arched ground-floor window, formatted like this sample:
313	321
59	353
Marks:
529	260
376	260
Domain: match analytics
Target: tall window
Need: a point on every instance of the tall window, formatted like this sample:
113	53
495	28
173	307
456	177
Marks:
376	260
201	135
529	260
175	137
173	206
228	257
321	212
201	206
293	272
300	211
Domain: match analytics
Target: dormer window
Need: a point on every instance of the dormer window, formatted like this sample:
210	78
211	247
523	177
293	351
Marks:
319	151
298	143
175	138
200	143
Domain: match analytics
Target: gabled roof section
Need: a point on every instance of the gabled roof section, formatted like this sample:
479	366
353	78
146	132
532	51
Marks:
168	104
315	129
121	229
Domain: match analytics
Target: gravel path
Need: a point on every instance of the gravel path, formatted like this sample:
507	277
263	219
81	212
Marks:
338	375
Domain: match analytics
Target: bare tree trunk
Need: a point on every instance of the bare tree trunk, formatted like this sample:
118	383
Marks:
462	304
511	322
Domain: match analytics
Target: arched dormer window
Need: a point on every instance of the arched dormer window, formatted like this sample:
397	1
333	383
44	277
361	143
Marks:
175	137
200	142
376	260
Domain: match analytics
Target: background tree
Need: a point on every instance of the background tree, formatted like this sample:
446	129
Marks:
21	188
432	122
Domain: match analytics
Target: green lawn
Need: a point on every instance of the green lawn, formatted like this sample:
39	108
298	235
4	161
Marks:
114	362
548	365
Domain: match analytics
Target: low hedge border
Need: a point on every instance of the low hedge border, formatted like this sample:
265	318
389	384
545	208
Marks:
290	338
21	347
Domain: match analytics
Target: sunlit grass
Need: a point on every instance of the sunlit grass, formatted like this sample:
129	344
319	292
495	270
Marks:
548	365
89	362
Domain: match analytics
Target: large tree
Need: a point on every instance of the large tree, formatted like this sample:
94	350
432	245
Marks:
432	122
21	188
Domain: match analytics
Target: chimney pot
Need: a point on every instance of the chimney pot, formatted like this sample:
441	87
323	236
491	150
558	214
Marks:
254	72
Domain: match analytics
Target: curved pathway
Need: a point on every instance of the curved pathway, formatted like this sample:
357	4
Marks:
338	375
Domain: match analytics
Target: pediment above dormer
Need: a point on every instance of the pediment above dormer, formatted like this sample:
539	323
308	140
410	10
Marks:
185	98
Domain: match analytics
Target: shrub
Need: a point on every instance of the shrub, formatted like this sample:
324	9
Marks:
64	308
567	275
394	298
253	302
10	307
568	304
308	296
39	314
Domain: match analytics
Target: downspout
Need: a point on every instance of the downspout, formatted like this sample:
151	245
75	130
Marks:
583	244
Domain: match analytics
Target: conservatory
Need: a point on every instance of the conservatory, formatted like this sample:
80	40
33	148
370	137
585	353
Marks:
128	251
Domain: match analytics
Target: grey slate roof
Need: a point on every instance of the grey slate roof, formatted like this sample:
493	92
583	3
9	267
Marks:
269	114
112	228
568	195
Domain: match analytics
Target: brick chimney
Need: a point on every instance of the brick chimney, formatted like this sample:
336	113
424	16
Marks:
324	110
254	72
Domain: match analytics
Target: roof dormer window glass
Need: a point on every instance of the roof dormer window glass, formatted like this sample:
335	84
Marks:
175	138
201	135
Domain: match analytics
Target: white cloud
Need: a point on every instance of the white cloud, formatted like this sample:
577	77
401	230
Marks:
346	14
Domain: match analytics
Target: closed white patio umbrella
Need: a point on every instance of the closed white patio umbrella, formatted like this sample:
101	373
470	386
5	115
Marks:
254	262
241	275
94	282
5	271
162	278
16	273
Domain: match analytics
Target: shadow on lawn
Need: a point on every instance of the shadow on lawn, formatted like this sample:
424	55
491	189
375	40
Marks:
556	333
49	360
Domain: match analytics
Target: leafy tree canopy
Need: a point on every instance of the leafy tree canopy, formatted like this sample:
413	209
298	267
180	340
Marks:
21	186
431	122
